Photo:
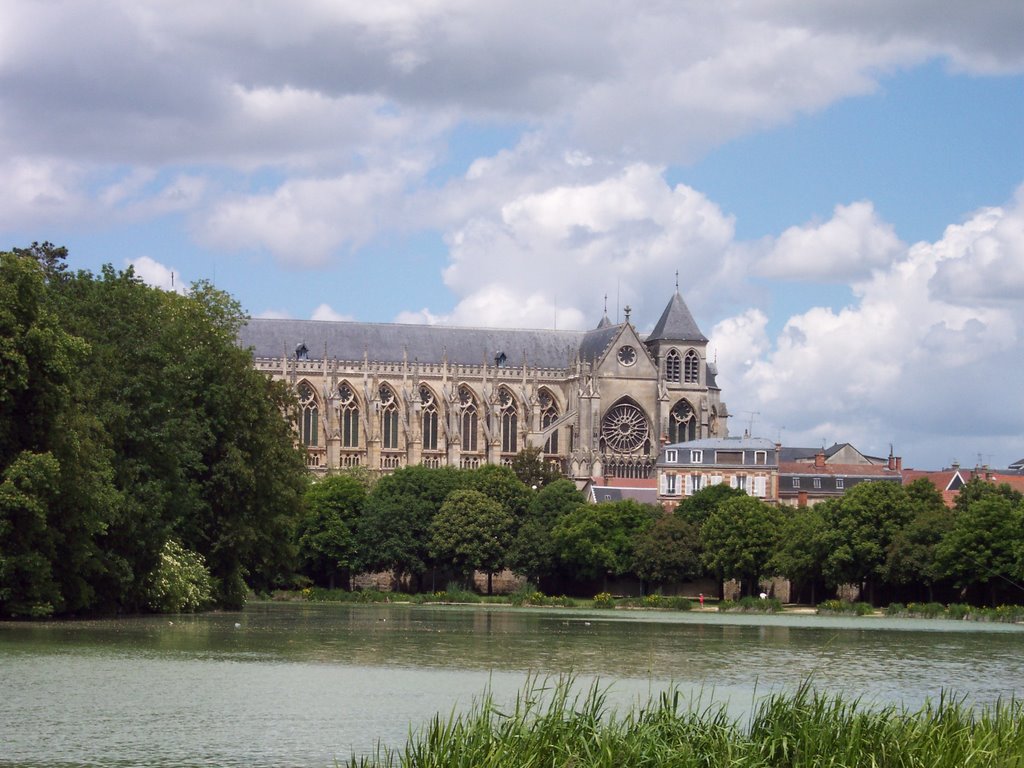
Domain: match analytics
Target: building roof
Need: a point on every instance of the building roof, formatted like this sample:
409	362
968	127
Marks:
837	470
676	323
646	495
393	342
726	444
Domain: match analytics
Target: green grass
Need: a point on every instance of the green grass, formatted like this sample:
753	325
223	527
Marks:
958	611
550	724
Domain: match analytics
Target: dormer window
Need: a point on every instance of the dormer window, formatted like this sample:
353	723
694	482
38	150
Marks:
500	359
302	352
672	456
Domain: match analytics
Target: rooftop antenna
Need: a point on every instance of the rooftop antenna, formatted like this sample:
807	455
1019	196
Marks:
750	425
172	281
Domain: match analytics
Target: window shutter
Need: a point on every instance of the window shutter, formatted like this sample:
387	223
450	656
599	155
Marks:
689	485
759	486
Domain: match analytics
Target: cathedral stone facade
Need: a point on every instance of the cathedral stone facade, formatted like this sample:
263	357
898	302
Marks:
598	403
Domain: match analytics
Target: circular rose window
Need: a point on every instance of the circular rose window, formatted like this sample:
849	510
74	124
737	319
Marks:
624	428
627	355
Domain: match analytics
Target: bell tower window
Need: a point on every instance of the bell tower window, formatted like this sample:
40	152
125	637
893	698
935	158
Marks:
682	423
691	368
672	366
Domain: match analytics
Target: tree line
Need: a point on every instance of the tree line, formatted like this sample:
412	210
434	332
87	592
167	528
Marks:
889	541
146	465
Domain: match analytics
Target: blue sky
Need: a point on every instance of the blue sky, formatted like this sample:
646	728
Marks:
839	186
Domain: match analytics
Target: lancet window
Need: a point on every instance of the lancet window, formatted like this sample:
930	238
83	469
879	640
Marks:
509	421
548	416
309	416
348	416
428	412
691	367
388	418
672	366
468	419
682	423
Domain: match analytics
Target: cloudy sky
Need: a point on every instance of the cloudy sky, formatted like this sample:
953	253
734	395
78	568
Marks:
839	185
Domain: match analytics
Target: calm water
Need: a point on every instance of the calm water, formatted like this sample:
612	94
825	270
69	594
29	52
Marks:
300	685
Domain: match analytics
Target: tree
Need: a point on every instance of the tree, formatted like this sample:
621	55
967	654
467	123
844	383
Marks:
982	548
670	550
471	532
56	496
800	553
698	507
596	541
533	551
502	485
739	538
393	533
326	533
531	469
860	528
911	558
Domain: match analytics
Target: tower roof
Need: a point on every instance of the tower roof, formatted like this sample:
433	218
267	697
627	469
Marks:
676	323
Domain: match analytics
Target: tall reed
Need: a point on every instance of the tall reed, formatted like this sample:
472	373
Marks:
551	723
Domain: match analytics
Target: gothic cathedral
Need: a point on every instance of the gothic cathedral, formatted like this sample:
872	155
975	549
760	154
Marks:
598	403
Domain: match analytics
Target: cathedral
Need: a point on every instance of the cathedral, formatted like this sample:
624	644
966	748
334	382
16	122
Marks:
599	403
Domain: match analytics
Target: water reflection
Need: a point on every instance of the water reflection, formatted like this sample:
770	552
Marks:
301	684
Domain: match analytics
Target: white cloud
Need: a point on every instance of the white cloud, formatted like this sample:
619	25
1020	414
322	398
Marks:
914	357
152	272
846	247
563	247
326	312
304	221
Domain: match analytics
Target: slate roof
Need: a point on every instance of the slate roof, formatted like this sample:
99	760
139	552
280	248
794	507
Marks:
599	493
390	342
676	323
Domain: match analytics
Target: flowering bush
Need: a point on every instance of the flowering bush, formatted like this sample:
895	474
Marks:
181	582
604	600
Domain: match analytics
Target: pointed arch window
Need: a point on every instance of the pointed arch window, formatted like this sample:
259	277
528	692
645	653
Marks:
548	416
468	419
691	367
682	423
509	421
672	366
348	416
428	413
309	416
388	418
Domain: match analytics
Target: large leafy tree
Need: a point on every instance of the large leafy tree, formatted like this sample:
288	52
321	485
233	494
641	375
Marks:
471	532
911	558
502	485
159	429
56	496
327	531
983	545
739	538
698	507
801	550
533	552
597	541
860	528
394	529
670	550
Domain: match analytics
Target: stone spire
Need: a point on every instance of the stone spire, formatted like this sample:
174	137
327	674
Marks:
676	323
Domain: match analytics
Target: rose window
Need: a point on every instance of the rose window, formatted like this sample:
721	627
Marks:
625	428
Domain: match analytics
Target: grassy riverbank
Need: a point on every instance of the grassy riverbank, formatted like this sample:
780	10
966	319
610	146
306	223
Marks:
553	726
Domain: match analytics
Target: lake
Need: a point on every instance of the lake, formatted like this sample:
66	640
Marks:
302	684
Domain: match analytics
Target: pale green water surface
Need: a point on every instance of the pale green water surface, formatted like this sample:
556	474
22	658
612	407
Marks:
302	684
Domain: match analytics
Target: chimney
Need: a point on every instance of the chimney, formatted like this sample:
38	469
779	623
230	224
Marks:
819	459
